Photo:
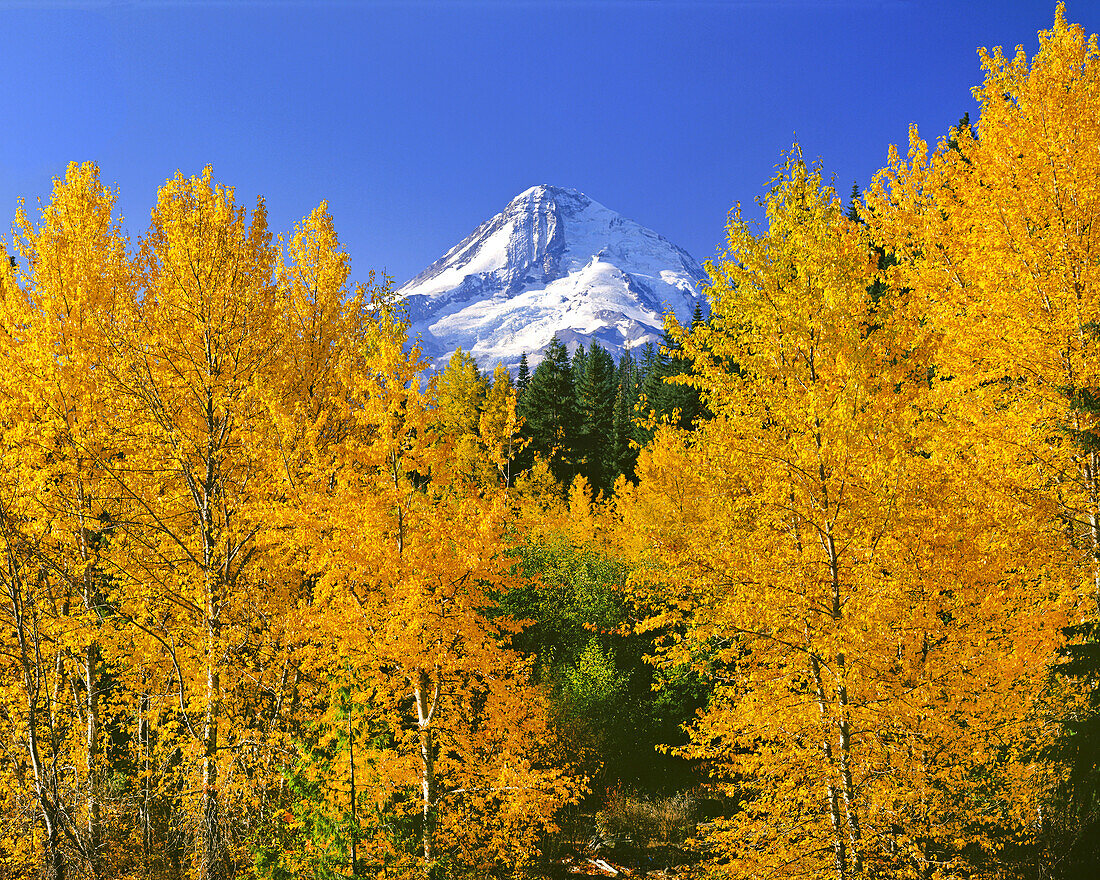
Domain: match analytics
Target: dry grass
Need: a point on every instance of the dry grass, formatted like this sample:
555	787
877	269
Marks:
644	820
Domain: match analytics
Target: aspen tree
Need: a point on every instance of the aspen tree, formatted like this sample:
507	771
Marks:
226	491
409	567
814	545
461	393
994	234
499	426
194	358
57	317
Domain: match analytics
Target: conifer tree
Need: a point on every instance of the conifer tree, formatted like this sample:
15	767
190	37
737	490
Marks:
853	203
665	398
596	410
523	375
697	314
549	411
627	388
580	360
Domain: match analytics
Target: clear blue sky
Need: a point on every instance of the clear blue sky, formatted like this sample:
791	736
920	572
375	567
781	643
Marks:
417	120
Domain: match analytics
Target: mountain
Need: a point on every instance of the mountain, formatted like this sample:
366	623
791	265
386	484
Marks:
553	261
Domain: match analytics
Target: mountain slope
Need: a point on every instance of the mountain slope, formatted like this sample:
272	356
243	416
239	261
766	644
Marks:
553	261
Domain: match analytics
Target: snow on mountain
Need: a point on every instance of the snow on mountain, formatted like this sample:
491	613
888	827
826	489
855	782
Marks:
553	261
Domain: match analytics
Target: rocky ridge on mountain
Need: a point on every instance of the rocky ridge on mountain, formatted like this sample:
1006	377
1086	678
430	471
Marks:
552	262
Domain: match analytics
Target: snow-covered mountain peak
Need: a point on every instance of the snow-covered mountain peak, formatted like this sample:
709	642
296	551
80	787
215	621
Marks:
553	261
545	192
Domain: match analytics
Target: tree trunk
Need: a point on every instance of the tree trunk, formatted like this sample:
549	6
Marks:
53	867
146	769
211	865
425	709
91	682
95	830
840	853
840	857
353	832
32	663
851	815
845	748
1092	482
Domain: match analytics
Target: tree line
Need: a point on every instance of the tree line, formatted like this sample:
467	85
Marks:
581	414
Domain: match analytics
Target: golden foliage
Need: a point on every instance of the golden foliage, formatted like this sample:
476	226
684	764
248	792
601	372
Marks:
224	485
877	638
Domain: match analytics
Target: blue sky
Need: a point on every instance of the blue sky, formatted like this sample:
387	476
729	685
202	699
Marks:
417	120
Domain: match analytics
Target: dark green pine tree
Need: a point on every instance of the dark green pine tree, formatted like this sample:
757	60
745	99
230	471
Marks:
523	377
521	461
627	388
853	202
1071	829
697	314
1071	826
885	260
673	402
596	413
579	360
548	409
964	125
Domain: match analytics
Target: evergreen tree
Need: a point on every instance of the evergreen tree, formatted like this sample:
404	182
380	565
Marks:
1071	829
627	387
680	404
853	202
523	376
964	125
548	408
596	409
650	354
580	358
